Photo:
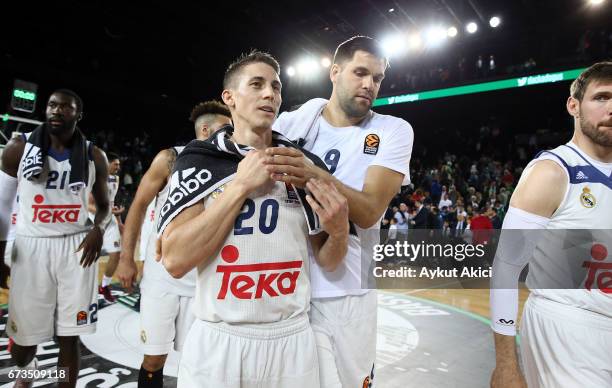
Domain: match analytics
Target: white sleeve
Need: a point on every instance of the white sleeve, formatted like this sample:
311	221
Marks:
396	149
8	190
516	245
280	124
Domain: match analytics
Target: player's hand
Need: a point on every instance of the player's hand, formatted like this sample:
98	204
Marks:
252	172
91	247
117	210
330	206
127	271
5	272
507	377
289	165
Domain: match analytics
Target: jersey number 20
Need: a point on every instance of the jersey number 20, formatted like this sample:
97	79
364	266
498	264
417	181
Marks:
268	217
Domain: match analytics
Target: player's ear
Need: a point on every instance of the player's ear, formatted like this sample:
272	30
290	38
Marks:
334	70
80	117
228	98
573	106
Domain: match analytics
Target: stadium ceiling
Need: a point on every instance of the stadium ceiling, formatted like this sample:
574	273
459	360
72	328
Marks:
175	52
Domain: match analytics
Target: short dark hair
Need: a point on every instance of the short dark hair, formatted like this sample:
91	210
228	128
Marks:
346	50
601	71
254	56
110	156
77	100
211	107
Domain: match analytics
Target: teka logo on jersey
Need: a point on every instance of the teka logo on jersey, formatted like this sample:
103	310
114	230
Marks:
252	281
48	214
182	184
598	271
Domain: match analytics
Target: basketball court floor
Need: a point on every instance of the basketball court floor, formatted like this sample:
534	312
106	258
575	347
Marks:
426	338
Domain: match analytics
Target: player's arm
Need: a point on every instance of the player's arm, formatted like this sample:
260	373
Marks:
8	190
117	211
92	243
196	235
538	194
365	206
91	204
150	185
330	247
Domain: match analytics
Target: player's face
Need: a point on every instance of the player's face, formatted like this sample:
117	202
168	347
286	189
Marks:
114	166
596	113
220	121
255	97
357	82
61	113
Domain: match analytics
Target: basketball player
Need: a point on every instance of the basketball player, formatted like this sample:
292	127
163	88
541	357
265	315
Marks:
566	334
248	237
368	155
112	236
53	286
165	312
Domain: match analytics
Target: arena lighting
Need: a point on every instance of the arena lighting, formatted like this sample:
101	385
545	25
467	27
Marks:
414	42
510	83
291	71
452	31
394	45
325	62
471	27
434	36
307	67
494	21
596	2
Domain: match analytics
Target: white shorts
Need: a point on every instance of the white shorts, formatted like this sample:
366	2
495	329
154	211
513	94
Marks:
165	319
564	346
278	355
8	251
112	237
47	281
345	331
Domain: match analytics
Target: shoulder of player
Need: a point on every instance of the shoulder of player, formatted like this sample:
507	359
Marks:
163	162
541	188
100	159
547	171
388	122
11	155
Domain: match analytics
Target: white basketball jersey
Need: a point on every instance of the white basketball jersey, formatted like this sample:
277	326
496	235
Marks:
112	184
155	275
10	236
260	275
148	227
47	207
382	140
568	256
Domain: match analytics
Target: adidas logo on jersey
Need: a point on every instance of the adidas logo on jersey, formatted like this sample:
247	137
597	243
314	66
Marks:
48	214
183	183
581	175
253	281
34	158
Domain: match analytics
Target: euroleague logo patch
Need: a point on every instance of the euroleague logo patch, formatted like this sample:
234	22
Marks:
371	143
81	318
